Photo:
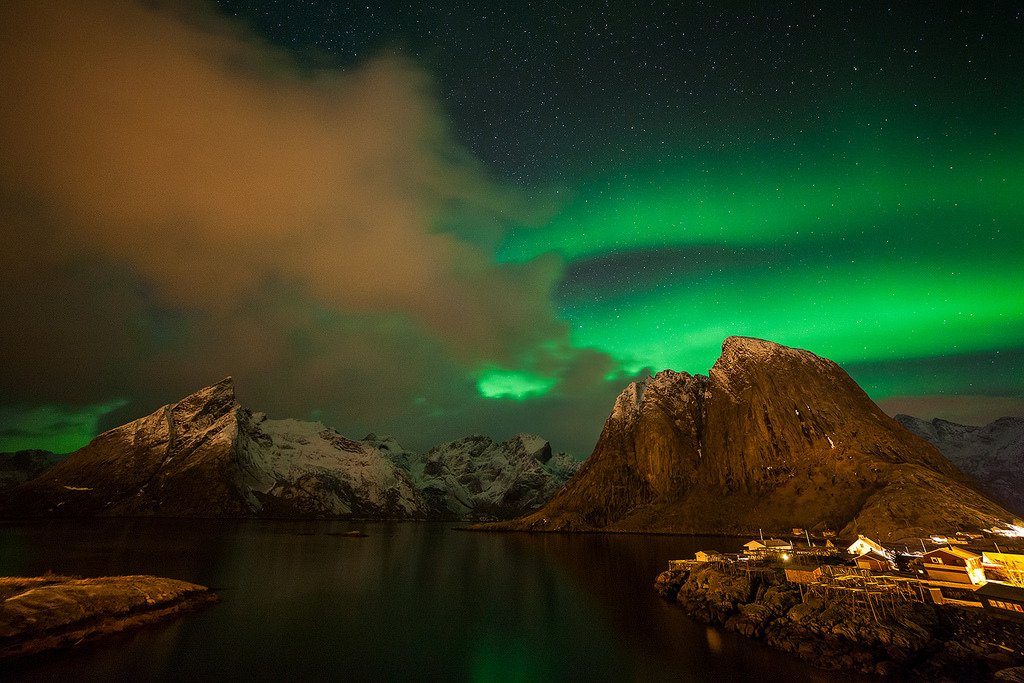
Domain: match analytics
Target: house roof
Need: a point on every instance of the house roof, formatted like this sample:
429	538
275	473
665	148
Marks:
994	589
955	552
768	543
1002	558
871	554
710	552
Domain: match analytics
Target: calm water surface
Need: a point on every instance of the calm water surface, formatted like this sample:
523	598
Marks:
414	601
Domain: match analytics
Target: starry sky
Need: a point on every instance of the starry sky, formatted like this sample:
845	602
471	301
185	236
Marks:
434	219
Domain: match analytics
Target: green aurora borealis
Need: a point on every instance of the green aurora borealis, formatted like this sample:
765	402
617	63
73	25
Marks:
863	248
431	220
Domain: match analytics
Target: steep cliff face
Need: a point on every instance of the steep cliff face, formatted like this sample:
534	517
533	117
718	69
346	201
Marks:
206	456
993	454
773	438
180	457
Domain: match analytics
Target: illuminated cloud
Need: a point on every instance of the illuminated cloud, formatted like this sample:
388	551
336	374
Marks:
184	202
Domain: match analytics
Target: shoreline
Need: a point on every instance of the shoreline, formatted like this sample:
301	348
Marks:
908	638
39	615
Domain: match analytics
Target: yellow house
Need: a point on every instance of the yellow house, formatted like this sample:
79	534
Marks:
1010	564
954	565
709	556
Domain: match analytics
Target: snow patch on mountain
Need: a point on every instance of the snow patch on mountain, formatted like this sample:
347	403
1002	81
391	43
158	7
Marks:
207	456
993	454
476	477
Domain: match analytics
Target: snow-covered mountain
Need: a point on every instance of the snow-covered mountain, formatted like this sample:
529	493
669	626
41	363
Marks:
477	477
207	456
992	454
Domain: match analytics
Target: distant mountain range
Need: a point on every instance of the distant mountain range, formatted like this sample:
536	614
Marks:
206	456
22	466
992	454
773	438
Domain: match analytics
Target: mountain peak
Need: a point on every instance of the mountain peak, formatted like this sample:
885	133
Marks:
758	350
212	402
775	438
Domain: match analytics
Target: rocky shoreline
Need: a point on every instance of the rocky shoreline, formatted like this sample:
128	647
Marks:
54	612
916	639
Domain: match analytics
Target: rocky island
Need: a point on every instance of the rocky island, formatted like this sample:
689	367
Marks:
53	612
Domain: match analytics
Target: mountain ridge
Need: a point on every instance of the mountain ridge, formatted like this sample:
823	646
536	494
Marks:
772	438
992	453
207	456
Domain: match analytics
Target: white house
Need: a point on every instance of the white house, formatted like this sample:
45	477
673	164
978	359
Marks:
864	545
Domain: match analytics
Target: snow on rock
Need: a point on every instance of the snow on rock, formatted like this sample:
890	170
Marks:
299	467
479	478
628	403
993	454
207	456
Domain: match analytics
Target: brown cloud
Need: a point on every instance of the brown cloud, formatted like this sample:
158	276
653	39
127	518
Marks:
180	201
208	161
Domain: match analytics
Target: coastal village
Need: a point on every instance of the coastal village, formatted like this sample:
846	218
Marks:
948	607
945	570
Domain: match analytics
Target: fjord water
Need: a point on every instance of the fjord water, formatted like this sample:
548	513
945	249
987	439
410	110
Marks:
413	601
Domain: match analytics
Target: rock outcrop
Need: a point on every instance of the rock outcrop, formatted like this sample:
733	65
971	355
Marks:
46	613
773	438
992	454
915	639
206	456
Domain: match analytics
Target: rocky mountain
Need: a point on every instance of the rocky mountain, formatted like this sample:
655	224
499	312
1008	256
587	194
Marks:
21	466
992	454
479	478
206	456
772	438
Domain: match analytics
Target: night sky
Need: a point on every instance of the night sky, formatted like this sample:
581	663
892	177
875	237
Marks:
439	219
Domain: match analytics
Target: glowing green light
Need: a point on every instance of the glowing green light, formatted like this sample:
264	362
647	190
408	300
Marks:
56	428
862	247
757	199
513	384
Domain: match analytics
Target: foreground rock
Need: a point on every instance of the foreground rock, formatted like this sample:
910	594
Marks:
206	456
773	438
38	614
992	454
912	638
